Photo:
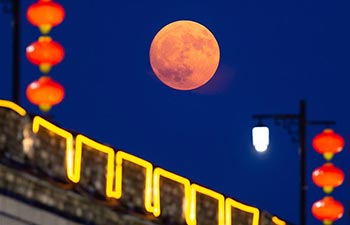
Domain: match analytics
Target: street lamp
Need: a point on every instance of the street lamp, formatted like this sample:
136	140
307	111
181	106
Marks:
260	134
261	139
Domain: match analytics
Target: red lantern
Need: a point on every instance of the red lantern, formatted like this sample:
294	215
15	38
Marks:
328	143
328	177
327	210
45	93
45	14
45	53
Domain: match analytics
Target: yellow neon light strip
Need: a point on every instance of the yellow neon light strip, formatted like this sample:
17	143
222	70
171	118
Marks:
73	157
114	190
8	104
157	173
80	140
71	170
221	202
148	184
73	161
278	221
232	203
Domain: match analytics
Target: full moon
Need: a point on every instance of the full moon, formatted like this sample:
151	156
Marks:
184	55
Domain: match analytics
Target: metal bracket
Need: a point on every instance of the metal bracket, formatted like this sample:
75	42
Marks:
290	122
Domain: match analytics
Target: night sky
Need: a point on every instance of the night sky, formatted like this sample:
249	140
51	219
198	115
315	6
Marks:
273	54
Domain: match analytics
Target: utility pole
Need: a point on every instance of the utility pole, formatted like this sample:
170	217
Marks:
301	122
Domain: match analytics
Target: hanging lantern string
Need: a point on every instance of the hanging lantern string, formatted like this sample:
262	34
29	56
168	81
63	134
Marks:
45	53
328	176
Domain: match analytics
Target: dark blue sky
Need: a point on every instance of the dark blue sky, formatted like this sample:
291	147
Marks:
273	53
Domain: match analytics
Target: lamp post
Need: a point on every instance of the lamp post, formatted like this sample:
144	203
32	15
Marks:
14	5
16	50
260	141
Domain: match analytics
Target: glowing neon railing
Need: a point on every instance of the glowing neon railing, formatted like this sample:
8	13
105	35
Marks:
114	175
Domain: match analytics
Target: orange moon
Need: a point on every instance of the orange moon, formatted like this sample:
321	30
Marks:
184	55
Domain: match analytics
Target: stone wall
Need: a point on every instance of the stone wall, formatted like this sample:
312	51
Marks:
33	169
16	212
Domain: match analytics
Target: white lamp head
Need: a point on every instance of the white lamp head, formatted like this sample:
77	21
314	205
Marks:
260	134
